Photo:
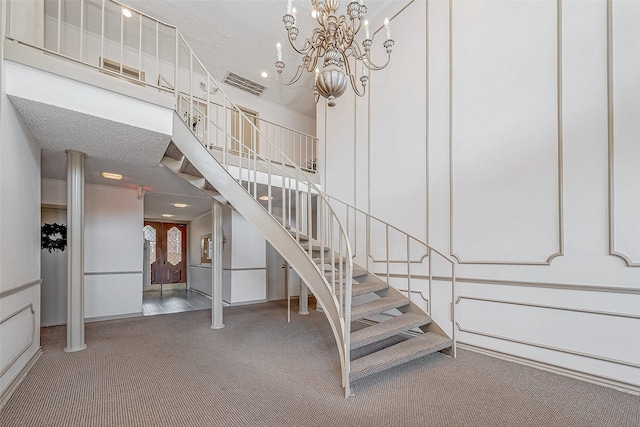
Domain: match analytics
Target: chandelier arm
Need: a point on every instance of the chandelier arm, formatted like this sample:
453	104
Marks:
355	31
352	79
312	64
295	78
372	66
301	51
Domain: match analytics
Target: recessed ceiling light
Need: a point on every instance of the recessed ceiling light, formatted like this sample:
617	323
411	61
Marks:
264	74
126	12
180	205
111	175
265	198
167	215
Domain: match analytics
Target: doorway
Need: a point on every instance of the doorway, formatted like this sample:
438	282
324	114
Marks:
243	132
167	252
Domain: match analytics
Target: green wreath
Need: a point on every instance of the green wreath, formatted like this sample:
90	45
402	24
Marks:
53	237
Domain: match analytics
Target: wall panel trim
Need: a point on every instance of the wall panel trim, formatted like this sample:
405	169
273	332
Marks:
20	288
29	343
556	369
546	285
547	347
611	142
560	251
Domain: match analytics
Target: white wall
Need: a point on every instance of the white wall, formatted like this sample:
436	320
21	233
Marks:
199	274
19	239
493	146
244	277
53	266
113	248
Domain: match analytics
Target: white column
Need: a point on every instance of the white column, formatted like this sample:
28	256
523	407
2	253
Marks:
303	306
75	256
216	266
303	299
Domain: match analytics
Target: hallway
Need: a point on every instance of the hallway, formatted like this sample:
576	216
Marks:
173	301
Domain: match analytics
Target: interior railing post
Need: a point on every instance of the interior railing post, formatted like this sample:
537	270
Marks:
157	51
429	255
81	27
409	265
368	240
192	118
309	221
298	225
175	67
60	24
269	203
453	308
387	248
140	48
121	41
207	127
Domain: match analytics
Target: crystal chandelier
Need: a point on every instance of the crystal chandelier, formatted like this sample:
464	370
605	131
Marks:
334	42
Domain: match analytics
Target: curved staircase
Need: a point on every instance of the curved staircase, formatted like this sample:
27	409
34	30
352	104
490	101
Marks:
219	150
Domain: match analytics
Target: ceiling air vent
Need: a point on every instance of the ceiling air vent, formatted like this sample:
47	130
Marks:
244	84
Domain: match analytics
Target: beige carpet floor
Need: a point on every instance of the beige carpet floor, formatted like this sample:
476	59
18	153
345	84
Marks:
173	370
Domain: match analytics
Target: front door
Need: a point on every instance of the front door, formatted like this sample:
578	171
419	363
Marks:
167	252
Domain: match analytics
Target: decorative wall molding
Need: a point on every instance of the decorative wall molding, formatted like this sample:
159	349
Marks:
611	142
28	344
426	123
544	285
13	385
561	370
549	307
108	273
560	251
20	288
544	346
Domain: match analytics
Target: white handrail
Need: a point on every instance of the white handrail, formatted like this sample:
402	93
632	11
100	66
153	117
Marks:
150	58
387	261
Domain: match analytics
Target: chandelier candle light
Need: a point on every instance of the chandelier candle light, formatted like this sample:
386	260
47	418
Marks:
334	42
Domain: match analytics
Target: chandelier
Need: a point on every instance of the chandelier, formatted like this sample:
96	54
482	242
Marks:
333	42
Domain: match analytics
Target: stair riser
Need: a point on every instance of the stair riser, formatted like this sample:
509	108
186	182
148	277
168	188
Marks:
400	361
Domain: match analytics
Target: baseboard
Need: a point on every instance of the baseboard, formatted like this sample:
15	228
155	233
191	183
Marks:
236	304
560	370
13	385
114	317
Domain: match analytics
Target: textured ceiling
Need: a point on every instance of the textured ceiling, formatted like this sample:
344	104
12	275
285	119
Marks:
96	137
111	147
241	35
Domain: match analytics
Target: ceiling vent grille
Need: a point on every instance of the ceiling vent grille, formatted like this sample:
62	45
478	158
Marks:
247	85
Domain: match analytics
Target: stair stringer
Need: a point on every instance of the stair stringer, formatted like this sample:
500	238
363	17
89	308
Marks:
267	225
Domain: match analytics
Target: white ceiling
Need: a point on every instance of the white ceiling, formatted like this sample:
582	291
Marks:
241	35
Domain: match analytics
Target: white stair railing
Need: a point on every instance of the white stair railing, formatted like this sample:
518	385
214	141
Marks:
140	49
237	141
409	264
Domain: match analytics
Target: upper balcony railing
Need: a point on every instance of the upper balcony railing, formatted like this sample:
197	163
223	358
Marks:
132	46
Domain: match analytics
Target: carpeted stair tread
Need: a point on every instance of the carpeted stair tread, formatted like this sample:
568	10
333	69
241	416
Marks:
209	187
377	306
367	288
364	288
188	168
387	329
357	272
398	354
173	152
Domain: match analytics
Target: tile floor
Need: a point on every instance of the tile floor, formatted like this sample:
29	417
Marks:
173	301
